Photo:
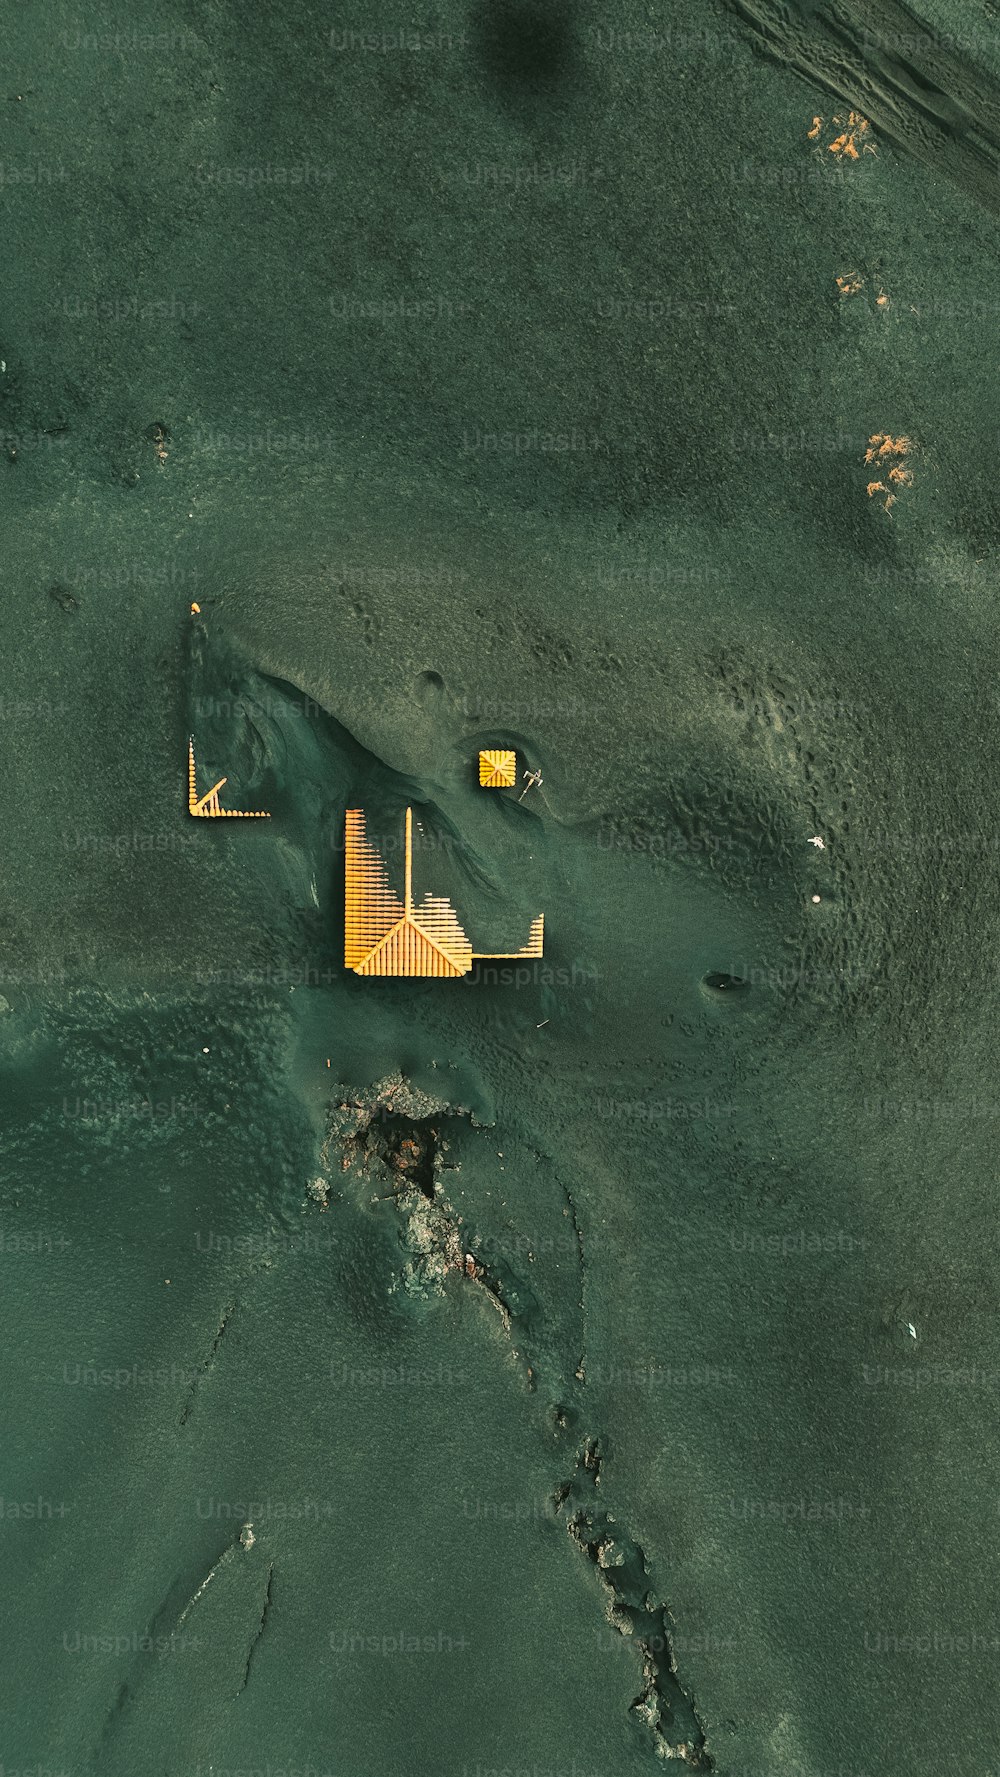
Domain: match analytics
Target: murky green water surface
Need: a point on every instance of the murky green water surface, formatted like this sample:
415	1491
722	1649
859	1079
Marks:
506	397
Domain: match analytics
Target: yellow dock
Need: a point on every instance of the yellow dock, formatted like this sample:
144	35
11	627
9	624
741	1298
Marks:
208	807
386	936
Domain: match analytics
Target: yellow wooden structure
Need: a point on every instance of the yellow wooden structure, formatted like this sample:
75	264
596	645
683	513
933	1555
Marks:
497	770
208	806
386	936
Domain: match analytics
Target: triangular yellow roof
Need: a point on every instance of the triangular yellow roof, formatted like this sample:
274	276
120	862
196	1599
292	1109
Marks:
406	950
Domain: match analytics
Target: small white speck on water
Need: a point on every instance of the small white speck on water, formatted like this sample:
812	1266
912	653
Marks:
911	1329
205	1051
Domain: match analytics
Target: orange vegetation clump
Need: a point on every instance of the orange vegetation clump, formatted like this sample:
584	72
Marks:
882	448
851	130
852	284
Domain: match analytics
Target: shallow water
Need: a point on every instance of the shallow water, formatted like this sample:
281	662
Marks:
601	497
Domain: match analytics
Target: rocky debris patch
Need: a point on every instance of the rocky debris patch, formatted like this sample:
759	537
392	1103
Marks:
393	1135
662	1705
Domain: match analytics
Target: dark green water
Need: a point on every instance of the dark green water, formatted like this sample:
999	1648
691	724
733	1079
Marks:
507	399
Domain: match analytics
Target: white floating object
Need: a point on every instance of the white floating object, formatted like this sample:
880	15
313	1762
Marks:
819	843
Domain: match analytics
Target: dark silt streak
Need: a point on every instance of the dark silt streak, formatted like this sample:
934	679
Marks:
258	1632
919	93
207	1363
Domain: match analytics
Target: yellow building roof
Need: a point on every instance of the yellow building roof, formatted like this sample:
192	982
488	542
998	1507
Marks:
497	770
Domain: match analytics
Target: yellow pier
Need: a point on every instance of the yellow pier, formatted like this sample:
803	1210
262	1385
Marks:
208	806
386	936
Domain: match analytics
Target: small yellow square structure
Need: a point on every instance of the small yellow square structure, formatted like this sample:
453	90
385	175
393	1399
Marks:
497	771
